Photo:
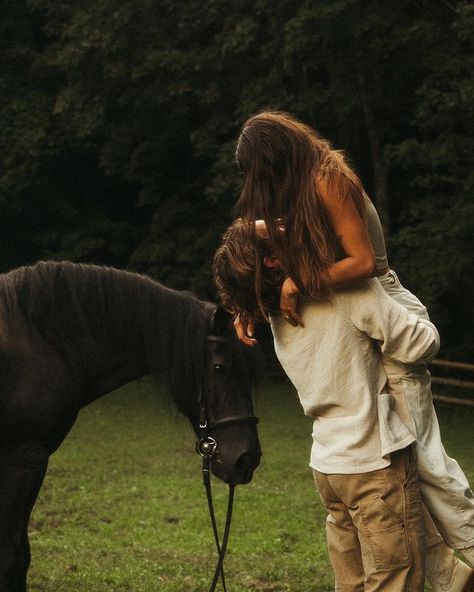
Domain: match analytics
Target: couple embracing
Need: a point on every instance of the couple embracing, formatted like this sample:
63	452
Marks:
308	255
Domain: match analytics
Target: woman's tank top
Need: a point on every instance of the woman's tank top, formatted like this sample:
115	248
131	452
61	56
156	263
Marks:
377	239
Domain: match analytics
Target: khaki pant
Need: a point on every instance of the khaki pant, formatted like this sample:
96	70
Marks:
375	528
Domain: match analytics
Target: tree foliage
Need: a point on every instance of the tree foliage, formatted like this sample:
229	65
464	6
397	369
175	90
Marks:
119	118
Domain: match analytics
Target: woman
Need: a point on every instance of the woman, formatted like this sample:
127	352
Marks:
326	234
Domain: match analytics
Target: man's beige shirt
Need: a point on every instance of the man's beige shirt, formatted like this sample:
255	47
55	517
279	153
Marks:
335	363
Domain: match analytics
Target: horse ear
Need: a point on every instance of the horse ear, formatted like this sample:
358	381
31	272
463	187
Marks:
220	320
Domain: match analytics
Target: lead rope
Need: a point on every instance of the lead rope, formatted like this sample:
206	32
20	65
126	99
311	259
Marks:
207	447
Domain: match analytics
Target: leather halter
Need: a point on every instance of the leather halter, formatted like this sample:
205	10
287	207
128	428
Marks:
207	447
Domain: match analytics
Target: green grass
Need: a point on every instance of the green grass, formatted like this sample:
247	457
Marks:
123	506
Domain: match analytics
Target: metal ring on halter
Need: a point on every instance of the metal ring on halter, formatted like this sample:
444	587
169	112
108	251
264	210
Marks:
206	446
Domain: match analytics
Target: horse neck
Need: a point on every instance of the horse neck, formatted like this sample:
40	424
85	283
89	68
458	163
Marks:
166	336
113	376
109	367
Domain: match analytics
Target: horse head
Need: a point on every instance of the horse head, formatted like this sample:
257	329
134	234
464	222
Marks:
226	420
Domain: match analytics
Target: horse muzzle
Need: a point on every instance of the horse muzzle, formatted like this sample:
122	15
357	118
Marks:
237	454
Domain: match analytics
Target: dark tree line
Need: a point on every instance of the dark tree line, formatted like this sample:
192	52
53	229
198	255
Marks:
118	120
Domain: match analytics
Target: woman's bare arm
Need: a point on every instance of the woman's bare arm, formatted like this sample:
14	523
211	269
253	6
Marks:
351	232
358	263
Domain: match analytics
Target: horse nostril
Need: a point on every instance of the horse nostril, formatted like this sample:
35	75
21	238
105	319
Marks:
243	462
243	465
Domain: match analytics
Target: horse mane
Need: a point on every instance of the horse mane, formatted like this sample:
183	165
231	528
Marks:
81	309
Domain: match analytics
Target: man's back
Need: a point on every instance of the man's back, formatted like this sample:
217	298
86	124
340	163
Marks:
336	365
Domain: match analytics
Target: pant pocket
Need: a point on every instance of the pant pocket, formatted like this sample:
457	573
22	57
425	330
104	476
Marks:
383	531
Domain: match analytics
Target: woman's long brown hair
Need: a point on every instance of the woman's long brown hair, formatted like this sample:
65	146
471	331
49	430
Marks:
281	159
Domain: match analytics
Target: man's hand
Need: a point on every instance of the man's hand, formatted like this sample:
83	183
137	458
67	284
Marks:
244	329
289	303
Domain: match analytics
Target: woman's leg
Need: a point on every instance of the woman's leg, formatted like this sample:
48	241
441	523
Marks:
444	485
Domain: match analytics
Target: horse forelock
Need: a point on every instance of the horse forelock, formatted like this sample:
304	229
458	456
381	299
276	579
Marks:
82	309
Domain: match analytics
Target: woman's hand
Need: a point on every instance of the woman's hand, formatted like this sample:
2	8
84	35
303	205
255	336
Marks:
289	302
244	329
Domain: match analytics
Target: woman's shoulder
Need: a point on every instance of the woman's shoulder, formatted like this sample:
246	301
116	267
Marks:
335	188
342	203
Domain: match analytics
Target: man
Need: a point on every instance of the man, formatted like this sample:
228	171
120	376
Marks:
362	457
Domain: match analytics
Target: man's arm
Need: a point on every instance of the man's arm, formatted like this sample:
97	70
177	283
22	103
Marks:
402	335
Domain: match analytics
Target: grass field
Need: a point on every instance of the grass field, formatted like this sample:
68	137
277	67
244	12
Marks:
123	506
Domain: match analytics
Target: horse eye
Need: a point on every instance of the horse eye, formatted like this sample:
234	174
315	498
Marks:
219	368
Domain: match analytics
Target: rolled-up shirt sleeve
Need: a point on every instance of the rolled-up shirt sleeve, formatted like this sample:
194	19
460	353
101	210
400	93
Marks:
401	335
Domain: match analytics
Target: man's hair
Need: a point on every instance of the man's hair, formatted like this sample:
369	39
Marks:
244	284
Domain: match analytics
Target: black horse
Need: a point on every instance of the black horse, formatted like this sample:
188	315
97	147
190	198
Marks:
70	333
